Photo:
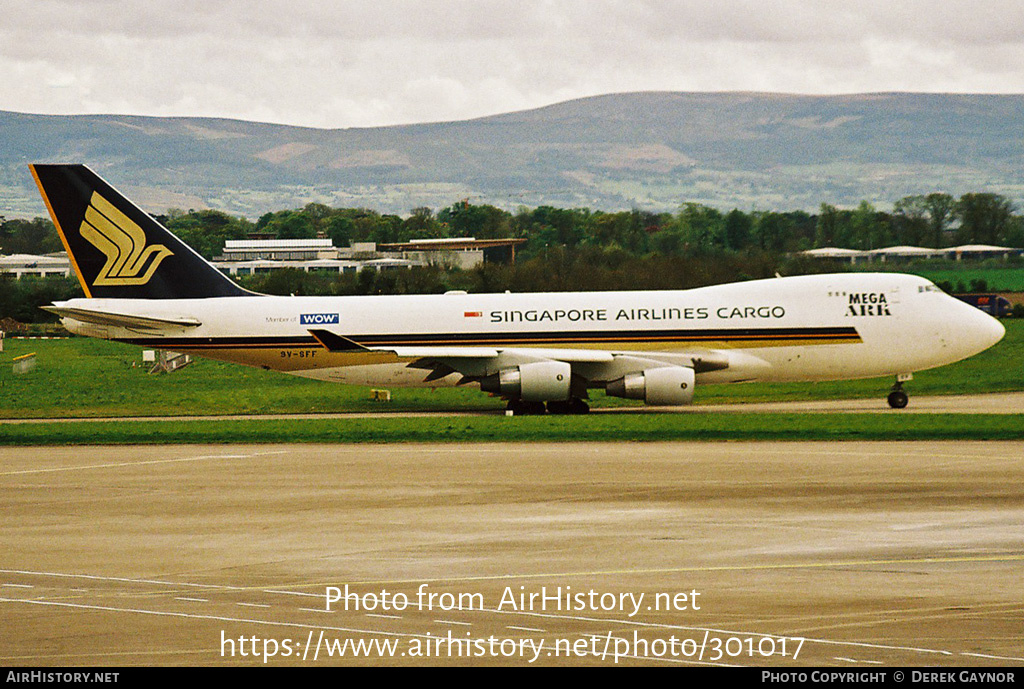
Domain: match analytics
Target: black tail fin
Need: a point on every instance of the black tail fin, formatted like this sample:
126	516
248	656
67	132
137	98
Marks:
119	250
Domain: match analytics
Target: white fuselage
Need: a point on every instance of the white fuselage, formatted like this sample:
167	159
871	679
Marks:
817	327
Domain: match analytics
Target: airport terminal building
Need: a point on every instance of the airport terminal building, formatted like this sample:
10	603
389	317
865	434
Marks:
256	256
253	256
25	265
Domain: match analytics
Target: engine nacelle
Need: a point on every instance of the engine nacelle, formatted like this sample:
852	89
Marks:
666	385
541	381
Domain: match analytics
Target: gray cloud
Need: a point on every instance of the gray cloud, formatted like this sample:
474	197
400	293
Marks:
363	63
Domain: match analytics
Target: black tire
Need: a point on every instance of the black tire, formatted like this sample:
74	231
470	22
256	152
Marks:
559	407
571	406
578	406
522	408
898	399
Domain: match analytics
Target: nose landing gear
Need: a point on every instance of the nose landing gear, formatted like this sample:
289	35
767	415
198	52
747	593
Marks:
898	399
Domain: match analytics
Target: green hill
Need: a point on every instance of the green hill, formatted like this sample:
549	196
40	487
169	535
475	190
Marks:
645	150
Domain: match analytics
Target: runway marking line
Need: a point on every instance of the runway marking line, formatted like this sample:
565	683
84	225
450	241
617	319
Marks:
930	560
1019	557
96	577
216	618
147	462
917	615
992	657
371	632
558	616
428	635
678	570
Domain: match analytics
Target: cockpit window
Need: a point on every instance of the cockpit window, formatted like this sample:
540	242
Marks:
928	288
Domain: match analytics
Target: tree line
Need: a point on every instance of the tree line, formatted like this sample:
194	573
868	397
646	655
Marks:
933	220
566	249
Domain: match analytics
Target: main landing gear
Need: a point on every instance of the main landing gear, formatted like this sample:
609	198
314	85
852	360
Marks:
571	406
898	399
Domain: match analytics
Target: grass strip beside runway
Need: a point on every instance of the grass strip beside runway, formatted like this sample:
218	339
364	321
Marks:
79	378
592	428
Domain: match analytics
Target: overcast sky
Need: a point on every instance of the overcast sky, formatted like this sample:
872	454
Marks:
357	63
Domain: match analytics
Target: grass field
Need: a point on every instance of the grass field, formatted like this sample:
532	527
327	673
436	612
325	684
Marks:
498	428
85	378
997	279
78	377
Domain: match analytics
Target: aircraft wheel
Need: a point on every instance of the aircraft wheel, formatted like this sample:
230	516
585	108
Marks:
523	408
898	399
571	406
578	406
558	407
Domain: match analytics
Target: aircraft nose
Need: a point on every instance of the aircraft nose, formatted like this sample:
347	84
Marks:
986	330
995	331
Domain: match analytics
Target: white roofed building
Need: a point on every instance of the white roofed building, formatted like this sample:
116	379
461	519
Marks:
21	265
277	249
905	252
914	252
252	256
831	252
982	251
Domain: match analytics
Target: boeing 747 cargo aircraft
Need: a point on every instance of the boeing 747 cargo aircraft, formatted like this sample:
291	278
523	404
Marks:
539	351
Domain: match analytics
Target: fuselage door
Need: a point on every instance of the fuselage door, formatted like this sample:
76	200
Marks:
894	295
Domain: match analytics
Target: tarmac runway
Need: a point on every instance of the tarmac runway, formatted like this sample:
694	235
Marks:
991	403
856	555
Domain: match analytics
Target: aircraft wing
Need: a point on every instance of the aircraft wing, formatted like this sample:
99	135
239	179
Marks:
339	343
592	366
123	320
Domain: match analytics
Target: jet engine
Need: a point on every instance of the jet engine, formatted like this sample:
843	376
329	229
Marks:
541	381
667	385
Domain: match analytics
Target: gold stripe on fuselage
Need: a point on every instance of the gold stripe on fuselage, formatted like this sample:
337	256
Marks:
313	356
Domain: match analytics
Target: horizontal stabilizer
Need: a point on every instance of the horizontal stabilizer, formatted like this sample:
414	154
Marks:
122	320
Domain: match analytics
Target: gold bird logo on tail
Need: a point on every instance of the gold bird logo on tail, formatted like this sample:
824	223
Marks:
122	241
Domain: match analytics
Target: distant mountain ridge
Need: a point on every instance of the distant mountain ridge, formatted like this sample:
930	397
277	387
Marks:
651	150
